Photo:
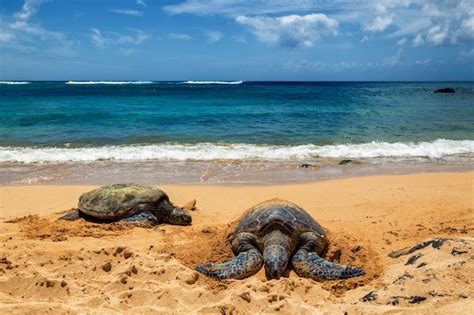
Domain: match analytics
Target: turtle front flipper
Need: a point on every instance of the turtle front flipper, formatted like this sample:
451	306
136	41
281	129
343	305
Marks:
141	218
242	266
311	265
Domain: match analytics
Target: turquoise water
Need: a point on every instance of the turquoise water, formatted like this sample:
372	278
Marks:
225	120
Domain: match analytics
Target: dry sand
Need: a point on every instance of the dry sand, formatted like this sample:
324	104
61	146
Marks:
49	267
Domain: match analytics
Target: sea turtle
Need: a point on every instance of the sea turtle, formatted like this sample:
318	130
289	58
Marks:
130	202
272	233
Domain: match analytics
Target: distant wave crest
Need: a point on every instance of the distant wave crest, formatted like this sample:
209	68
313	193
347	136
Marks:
211	151
214	82
14	82
109	82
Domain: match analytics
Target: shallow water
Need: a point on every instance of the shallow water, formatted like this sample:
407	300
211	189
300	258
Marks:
229	131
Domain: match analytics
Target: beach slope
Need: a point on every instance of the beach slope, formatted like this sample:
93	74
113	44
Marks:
413	234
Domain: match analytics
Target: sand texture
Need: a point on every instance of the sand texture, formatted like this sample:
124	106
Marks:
425	222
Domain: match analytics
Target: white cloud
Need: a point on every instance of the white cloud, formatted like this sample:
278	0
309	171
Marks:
393	60
37	31
235	8
437	34
5	37
438	21
135	37
141	2
291	30
21	22
27	36
466	31
364	39
402	41
304	65
452	21
30	8
179	36
127	12
97	38
379	24
418	40
213	36
424	62
380	8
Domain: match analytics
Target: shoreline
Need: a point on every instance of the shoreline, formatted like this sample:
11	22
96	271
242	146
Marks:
55	264
215	172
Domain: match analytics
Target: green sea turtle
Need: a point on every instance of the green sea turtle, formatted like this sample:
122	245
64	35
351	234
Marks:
274	233
129	202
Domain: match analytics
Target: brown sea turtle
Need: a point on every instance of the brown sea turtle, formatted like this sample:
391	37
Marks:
129	202
278	234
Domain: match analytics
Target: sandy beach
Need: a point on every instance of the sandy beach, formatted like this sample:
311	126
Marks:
48	266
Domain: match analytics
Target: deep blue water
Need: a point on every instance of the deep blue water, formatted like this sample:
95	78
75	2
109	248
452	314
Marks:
282	113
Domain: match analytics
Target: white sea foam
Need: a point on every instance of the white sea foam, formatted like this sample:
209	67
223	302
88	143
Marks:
109	82
214	82
209	151
14	82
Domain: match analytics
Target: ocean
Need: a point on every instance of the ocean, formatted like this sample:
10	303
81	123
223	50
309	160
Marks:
192	127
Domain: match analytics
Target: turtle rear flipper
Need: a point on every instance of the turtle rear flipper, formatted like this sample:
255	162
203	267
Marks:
311	265
72	215
242	266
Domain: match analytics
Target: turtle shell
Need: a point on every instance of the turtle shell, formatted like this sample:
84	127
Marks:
116	201
261	218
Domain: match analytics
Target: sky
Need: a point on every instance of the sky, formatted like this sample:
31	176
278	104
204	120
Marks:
323	40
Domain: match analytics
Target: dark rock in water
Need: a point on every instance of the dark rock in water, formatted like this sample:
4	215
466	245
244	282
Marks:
444	90
371	296
344	162
306	165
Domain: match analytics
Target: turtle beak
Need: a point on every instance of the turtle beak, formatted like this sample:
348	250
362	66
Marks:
180	216
276	261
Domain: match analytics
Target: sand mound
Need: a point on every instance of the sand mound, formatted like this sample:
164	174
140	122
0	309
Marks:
35	227
160	276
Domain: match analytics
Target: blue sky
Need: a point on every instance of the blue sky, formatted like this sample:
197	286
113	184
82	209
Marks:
236	40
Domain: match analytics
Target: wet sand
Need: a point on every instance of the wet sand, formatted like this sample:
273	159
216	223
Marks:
49	267
249	172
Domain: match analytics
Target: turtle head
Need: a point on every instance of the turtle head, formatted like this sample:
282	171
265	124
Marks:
179	216
168	213
276	254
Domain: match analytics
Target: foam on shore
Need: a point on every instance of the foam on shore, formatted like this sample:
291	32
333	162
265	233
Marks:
211	151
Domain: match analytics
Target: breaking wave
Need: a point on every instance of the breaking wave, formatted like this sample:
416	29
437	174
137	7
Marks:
14	82
211	151
214	82
109	82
